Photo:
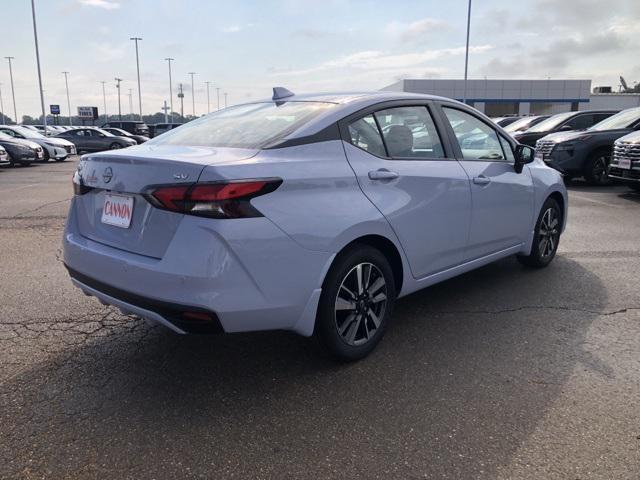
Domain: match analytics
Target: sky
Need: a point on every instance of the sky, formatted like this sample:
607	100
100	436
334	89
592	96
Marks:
246	47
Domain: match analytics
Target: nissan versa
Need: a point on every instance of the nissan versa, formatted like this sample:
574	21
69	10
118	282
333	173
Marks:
307	213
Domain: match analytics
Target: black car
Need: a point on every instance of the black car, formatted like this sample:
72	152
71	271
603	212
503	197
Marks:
23	152
562	122
524	123
118	132
504	121
587	153
133	127
160	128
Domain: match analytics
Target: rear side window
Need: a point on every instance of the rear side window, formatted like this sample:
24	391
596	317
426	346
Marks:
477	140
581	122
364	134
409	132
253	125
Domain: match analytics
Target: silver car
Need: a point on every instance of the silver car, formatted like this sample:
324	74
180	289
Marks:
93	139
310	213
54	148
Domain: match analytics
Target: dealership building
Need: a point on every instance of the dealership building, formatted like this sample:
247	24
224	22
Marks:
522	97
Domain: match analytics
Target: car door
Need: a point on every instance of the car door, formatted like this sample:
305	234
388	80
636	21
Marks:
82	139
502	200
406	168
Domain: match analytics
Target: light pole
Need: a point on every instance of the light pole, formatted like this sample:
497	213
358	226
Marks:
13	93
193	95
208	103
466	54
181	97
131	103
118	80
2	115
225	99
104	101
218	95
169	59
66	82
135	39
35	38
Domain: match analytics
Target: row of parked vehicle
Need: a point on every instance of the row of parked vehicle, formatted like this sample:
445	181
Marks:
25	144
599	145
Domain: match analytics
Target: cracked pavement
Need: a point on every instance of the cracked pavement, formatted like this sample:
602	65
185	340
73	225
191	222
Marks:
503	373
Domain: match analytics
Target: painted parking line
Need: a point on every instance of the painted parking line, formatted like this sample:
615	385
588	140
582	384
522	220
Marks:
599	202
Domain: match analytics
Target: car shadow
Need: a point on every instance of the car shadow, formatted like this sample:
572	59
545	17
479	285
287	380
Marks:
467	370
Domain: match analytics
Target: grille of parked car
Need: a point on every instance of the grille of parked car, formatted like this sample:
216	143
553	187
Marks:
544	147
625	151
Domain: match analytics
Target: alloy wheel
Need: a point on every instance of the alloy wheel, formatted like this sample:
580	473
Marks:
360	304
548	233
599	171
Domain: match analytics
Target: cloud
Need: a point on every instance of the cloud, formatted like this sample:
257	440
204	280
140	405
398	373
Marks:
415	30
105	4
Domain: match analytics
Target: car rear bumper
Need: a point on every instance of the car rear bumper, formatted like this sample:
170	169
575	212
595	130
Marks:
246	273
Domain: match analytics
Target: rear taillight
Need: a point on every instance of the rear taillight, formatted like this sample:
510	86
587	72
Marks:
78	187
214	200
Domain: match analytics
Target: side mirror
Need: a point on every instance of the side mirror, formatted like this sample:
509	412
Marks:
524	154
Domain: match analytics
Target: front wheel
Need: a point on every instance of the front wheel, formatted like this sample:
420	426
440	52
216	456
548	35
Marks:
595	172
546	237
356	303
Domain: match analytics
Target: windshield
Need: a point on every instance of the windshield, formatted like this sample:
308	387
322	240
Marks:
624	119
27	132
245	126
550	123
4	136
519	124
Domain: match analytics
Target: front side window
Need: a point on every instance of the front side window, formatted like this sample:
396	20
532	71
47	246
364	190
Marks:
364	134
409	132
477	140
580	122
508	151
254	125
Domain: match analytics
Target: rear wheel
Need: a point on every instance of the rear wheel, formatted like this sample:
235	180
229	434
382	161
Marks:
356	303
546	237
596	168
114	146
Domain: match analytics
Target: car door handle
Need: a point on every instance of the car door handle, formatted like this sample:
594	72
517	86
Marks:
382	174
481	180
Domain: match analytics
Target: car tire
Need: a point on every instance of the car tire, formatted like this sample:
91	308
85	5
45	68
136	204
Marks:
546	236
46	156
58	160
595	171
352	315
25	164
115	146
635	187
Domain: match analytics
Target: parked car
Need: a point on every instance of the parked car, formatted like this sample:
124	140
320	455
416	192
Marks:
133	127
23	152
93	139
160	128
123	133
54	148
525	123
562	122
298	213
4	156
625	163
504	121
588	152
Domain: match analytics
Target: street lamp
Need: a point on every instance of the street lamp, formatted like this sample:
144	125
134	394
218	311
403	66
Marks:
131	103
118	80
104	101
218	96
35	38
208	103
193	95
135	39
466	54
225	99
66	82
13	93
2	115
169	59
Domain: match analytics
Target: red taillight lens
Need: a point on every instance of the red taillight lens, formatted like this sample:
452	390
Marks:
215	200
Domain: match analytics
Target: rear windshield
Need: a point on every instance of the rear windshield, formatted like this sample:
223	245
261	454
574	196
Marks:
551	122
624	119
252	125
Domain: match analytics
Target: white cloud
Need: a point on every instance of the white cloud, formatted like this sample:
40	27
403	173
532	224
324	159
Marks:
417	29
105	4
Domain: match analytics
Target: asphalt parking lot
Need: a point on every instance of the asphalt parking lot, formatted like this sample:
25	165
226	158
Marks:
503	373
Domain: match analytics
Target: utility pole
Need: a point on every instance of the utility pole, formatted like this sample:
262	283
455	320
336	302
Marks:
181	97
466	54
218	95
66	82
193	95
131	103
2	115
225	99
169	59
35	38
135	39
208	104
118	80
165	109
13	93
104	100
